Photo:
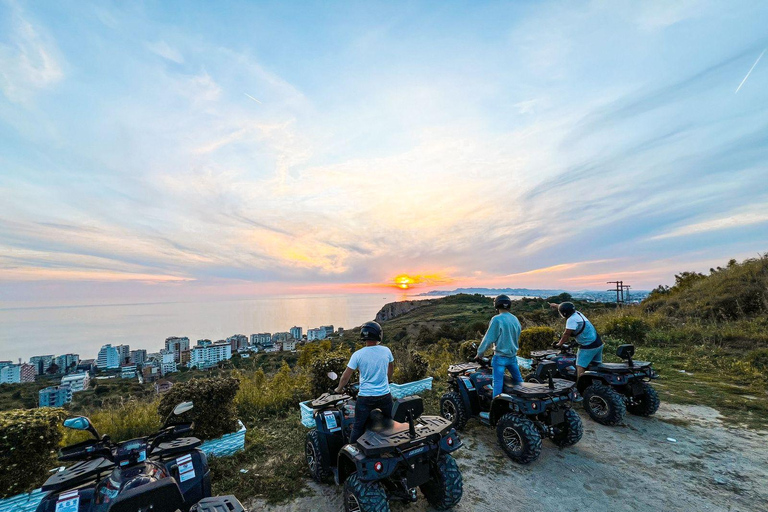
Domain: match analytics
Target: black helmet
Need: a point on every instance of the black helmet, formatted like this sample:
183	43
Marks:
502	302
566	309
370	331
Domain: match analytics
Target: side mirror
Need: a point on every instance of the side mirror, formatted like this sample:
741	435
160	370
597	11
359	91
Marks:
182	408
332	375
81	423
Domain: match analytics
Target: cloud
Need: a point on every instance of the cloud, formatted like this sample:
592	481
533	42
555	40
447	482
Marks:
735	220
29	60
165	51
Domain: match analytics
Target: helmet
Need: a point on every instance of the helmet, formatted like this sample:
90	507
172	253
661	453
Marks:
566	309
502	302
370	331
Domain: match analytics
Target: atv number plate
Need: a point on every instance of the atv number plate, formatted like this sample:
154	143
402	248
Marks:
417	473
636	387
467	382
68	502
330	422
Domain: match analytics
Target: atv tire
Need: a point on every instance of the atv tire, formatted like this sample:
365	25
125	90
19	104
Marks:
519	438
647	403
312	453
452	408
362	496
571	430
604	404
445	486
533	379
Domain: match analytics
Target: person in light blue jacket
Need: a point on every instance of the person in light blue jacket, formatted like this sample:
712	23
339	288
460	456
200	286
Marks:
504	333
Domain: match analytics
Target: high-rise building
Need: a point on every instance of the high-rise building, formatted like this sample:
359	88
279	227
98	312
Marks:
328	330
109	358
54	396
315	334
67	363
124	353
41	363
263	338
296	332
138	356
238	342
167	362
76	381
204	343
211	355
280	337
17	373
177	345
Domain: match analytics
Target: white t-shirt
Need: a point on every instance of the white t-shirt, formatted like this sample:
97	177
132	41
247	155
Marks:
575	321
373	363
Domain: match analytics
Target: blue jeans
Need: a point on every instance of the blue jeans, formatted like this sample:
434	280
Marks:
363	407
499	364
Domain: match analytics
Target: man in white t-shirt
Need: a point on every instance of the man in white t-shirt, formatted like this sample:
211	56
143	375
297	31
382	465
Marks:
578	326
376	366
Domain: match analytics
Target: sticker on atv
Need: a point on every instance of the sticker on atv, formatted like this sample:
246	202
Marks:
186	468
330	422
467	383
68	502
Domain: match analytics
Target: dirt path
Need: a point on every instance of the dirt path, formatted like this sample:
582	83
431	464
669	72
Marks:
630	467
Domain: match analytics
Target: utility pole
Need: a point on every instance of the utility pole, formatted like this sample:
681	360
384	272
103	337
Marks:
619	289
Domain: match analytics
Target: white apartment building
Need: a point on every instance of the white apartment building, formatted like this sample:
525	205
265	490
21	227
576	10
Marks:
109	358
262	338
211	355
138	356
128	371
124	353
168	362
289	346
177	345
296	332
17	373
315	334
76	381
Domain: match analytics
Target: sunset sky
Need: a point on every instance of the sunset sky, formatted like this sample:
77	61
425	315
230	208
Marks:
154	150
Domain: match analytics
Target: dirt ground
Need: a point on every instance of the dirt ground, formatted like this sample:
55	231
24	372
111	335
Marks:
630	467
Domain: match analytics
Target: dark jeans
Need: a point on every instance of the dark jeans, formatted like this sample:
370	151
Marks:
363	407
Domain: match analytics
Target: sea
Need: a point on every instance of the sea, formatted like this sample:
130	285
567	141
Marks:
83	329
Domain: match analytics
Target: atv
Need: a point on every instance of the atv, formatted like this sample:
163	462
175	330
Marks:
165	471
609	389
390	460
522	413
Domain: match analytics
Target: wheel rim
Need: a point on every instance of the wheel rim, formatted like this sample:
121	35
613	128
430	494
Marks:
449	411
599	406
512	439
311	456
352	503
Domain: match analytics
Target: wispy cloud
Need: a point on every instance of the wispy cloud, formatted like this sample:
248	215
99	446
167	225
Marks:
750	71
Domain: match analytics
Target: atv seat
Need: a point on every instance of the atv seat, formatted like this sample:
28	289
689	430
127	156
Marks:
619	367
536	390
384	426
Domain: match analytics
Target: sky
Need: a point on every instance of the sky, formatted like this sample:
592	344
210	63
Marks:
170	150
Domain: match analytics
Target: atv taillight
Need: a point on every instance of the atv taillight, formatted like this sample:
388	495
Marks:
533	405
378	467
449	441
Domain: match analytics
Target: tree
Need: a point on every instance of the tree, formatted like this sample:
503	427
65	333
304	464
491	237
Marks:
53	369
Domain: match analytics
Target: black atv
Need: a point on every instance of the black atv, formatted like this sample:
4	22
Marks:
609	389
522	413
390	460
165	471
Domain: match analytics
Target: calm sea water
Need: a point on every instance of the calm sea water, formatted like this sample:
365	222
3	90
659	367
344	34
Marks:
84	329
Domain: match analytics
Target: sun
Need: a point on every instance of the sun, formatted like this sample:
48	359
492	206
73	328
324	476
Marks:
404	281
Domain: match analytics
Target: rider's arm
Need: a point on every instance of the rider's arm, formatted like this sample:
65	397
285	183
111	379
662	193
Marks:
491	335
390	370
552	305
345	378
567	334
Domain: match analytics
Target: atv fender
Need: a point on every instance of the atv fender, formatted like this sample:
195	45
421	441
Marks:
587	378
500	406
450	442
468	395
351	460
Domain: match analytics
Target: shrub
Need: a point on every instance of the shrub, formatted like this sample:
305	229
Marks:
214	412
468	350
758	359
630	329
414	367
120	419
319	381
535	338
28	443
259	394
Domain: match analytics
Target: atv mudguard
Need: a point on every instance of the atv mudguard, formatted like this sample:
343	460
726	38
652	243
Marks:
588	377
331	438
351	459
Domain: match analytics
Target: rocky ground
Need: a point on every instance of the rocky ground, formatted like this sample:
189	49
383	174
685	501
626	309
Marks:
684	458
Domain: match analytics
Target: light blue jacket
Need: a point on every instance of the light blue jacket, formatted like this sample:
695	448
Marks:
504	332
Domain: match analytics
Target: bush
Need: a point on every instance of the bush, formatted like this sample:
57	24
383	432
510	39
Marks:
28	443
629	329
535	338
414	368
758	359
120	419
468	350
260	395
214	412
319	381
